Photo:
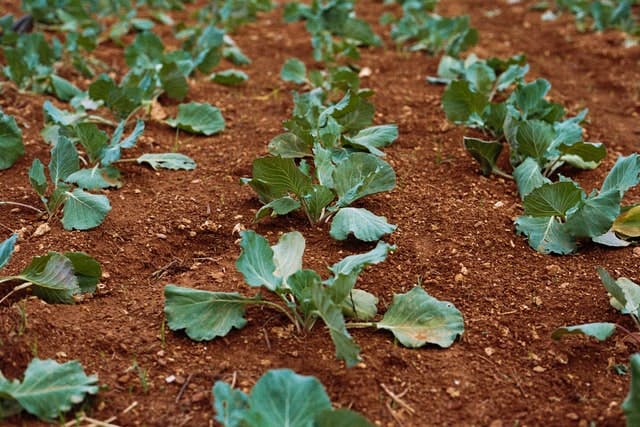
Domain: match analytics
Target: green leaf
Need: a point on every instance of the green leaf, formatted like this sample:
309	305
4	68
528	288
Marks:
624	174
275	177
173	161
230	404
553	199
546	234
113	151
530	96
600	331
63	89
301	283
86	269
53	278
283	398
92	139
631	404
375	137
358	262
173	81
229	77
287	254
83	211
294	71
331	313
60	117
64	160
256	263
594	216
37	178
528	177
534	137
204	315
583	155
6	249
416	318
360	305
461	104
96	178
485	152
11	146
281	206
198	118
316	199
362	174
363	224
341	418
625	294
50	389
628	223
289	145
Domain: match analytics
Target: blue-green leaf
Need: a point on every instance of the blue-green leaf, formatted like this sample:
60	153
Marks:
230	404
624	174
173	161
6	249
11	146
600	331
204	315
485	152
529	177
198	118
294	71
83	211
553	199
546	234
363	224
256	263
64	160
362	174
631	404
594	216
229	77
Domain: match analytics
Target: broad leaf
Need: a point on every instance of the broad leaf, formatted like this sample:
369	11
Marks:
553	199
61	117
611	239
229	77
331	313
173	161
50	389
316	200
461	104
86	269
375	137
363	224
628	223
6	249
287	254
63	89
11	146
281	206
600	331
37	177
96	178
53	278
360	305
173	81
64	160
416	318
530	96
204	315
546	234
112	152
583	155
624	174
631	404
275	177
362	174
341	418
256	263
485	152
294	71
84	211
358	262
283	398
534	137
230	404
289	145
625	294
529	177
594	216
198	118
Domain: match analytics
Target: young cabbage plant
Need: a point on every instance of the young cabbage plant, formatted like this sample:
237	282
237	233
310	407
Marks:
48	389
430	32
557	215
346	165
55	278
281	398
415	318
335	31
601	15
625	297
631	405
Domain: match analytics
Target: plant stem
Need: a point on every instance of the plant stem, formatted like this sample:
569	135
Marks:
125	161
16	289
499	172
282	309
361	325
101	120
22	205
